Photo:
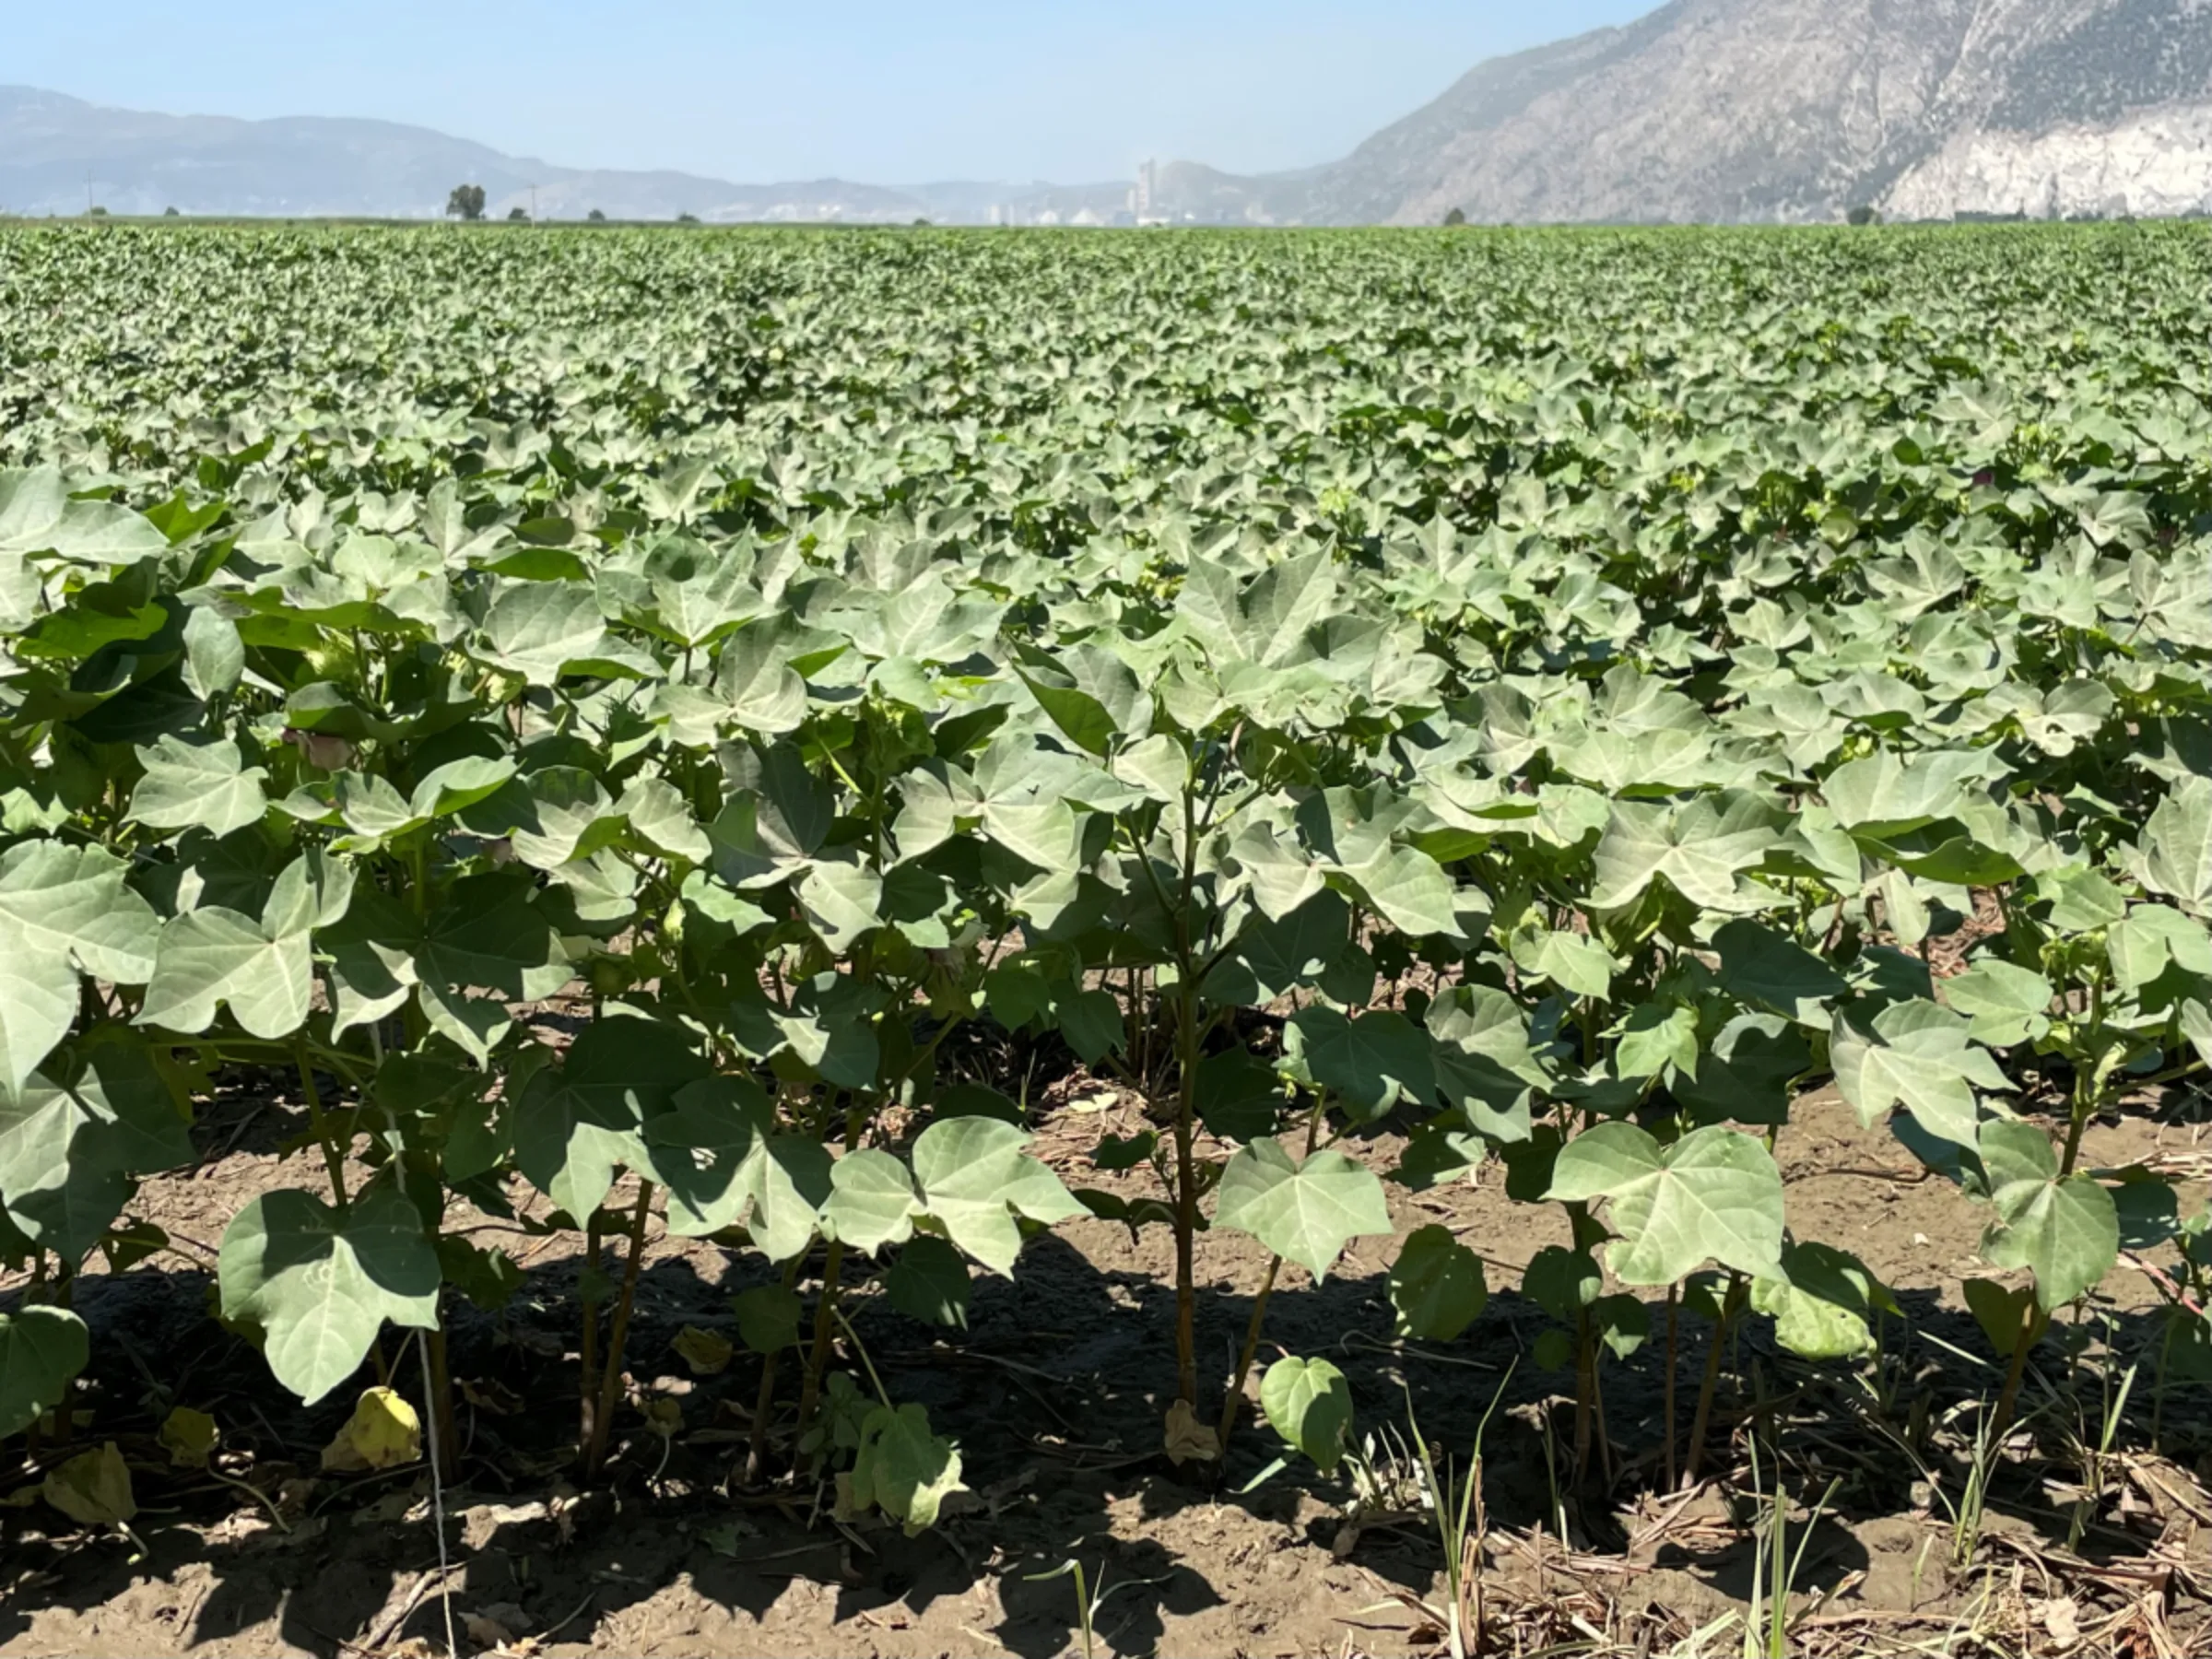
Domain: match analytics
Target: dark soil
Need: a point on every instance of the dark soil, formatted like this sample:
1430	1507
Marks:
1055	1394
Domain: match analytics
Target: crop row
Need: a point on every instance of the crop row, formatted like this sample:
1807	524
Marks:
1362	712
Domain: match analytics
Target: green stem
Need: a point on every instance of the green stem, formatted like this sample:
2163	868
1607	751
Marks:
1673	1330
1186	1198
588	1383
1231	1407
443	1423
825	1312
610	1374
334	1160
1702	1423
817	1357
2008	1398
756	1450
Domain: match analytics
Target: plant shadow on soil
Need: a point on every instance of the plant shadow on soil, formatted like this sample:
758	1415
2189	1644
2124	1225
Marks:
1054	1394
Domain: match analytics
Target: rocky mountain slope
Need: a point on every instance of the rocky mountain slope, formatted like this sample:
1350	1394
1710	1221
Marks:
1797	109
1701	111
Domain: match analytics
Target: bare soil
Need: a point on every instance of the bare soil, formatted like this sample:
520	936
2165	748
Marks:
1055	1394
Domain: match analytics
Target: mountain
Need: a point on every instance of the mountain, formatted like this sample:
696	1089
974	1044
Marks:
1798	110
60	154
1702	111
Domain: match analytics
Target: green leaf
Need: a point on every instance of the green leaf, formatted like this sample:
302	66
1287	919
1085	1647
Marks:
722	1162
1270	958
844	902
2008	1004
1919	1056
1700	849
1759	965
1082	718
1654	1038
1370	1063
768	1318
580	1121
1562	1282
1305	1213
204	785
975	1178
61	909
904	1470
1436	1285
2177	847
1713	1195
1748	1073
2141	946
1885	795
872	1201
38	516
2001	1311
929	1282
215	657
69	1151
2066	1230
264	971
320	1285
1824	1302
1575	962
1484	1061
554	817
1240	1097
1308	1404
41	1349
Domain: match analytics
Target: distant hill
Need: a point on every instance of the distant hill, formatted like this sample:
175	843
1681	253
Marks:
56	150
1788	110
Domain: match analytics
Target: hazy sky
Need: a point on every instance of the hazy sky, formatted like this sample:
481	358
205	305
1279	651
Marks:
862	88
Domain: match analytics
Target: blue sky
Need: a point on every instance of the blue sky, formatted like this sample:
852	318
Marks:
884	92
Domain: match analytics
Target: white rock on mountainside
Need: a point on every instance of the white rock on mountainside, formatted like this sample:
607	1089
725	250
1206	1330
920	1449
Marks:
2155	165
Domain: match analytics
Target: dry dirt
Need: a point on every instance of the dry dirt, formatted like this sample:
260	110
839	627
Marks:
1055	1394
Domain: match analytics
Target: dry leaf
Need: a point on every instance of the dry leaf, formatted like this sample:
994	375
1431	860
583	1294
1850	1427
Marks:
93	1489
485	1630
487	1395
189	1437
707	1354
1188	1440
2063	1620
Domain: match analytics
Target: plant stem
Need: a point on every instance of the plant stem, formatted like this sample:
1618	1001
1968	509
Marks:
334	1160
1701	1422
444	1424
2008	1397
825	1314
825	1326
610	1374
756	1450
1231	1407
1252	1348
1186	1194
588	1388
1585	1394
1674	1331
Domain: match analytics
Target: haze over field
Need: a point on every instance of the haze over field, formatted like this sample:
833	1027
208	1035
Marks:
1702	109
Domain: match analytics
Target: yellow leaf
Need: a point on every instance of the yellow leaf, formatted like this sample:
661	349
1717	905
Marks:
383	1433
189	1437
93	1489
707	1354
1188	1440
